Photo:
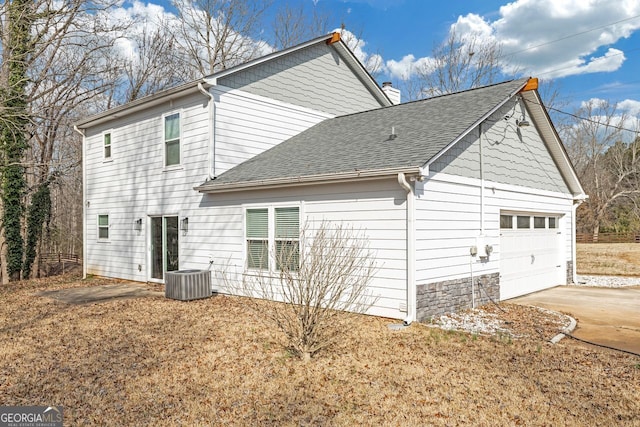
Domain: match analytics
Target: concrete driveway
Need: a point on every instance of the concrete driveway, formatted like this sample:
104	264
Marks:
608	316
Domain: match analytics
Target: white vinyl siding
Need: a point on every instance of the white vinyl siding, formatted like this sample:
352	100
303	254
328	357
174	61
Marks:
301	78
448	221
172	139
139	185
245	125
376	212
509	157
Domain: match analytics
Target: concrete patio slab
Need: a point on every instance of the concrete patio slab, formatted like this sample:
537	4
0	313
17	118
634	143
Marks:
607	316
102	293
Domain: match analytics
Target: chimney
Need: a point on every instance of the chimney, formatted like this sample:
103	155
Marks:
392	92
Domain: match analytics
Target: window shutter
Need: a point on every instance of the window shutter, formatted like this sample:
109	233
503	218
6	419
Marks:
287	223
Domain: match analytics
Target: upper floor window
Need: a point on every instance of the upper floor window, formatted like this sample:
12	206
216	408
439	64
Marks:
172	139
103	226
107	145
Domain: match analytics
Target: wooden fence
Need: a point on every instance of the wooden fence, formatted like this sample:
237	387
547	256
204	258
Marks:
51	258
608	238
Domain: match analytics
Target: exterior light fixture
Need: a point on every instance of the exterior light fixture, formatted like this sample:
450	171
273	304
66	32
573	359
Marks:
184	224
137	225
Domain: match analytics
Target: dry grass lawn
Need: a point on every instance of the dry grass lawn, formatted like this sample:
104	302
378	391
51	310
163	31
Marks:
153	361
611	259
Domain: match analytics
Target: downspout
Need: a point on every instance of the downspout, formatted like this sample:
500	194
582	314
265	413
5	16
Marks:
481	181
84	201
411	249
212	141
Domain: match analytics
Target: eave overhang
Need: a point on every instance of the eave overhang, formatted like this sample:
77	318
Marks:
142	104
212	187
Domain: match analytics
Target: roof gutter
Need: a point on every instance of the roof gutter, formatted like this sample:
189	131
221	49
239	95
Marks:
141	104
330	178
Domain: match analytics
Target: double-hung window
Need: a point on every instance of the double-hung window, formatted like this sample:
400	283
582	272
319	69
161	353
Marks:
273	231
103	227
287	238
172	139
258	238
107	145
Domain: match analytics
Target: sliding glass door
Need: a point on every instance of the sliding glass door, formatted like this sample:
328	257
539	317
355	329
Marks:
164	245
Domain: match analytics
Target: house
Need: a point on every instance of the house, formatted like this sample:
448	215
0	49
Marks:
464	197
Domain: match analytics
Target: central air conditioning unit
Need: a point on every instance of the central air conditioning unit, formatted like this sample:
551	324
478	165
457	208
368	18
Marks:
186	285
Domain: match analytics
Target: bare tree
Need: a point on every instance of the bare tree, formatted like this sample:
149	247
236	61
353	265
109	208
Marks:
295	24
319	280
64	69
217	34
461	62
607	161
154	65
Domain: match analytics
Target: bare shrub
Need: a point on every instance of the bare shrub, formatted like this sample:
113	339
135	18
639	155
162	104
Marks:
317	281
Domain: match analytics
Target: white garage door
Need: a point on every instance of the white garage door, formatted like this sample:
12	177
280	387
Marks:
531	254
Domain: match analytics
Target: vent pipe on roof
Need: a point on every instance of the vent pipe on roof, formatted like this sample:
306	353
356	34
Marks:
392	93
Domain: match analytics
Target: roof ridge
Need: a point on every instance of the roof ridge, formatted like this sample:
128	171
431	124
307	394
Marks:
415	101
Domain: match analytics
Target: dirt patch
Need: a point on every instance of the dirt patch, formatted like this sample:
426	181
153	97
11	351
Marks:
155	361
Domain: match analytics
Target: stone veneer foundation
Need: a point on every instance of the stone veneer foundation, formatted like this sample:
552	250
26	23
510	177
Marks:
569	272
435	299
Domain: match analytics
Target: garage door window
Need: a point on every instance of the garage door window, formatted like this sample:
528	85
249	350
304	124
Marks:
524	222
506	221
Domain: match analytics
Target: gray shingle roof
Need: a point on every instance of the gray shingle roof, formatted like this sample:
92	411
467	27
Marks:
361	142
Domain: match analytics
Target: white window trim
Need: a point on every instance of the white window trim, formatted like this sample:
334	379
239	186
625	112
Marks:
98	226
514	224
271	232
179	165
102	146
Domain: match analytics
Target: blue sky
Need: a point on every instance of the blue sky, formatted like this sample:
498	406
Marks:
589	48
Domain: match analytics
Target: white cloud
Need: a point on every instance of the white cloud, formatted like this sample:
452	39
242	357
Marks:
560	38
631	106
373	62
407	67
